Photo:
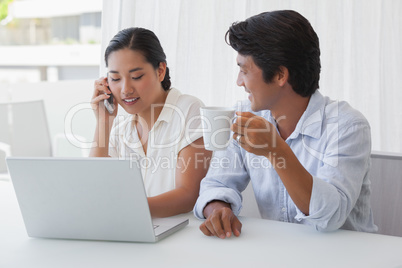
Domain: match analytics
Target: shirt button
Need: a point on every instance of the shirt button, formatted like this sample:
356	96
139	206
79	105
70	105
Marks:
284	209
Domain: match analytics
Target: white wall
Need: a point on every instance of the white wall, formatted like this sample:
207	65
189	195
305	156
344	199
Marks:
67	105
360	42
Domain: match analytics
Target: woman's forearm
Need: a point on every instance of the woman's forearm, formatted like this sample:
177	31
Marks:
101	139
171	203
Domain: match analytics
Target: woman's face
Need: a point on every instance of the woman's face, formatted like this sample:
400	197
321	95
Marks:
134	82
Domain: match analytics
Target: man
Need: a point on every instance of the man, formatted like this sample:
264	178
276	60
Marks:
307	157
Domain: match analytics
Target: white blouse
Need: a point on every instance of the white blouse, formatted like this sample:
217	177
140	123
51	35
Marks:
178	125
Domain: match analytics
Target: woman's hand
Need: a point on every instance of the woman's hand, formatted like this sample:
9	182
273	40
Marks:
101	90
104	120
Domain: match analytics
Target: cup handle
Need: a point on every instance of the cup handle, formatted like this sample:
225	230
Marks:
233	118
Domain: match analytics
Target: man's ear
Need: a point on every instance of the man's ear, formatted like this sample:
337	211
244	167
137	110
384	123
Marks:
282	76
161	71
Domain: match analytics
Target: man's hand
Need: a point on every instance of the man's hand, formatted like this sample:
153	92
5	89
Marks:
255	134
221	221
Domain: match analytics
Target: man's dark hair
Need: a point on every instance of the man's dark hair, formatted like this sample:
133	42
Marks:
143	41
280	38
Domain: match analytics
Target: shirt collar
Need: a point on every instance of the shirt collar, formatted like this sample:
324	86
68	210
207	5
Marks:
170	103
310	123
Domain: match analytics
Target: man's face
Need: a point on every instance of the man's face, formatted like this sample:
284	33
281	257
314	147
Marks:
263	96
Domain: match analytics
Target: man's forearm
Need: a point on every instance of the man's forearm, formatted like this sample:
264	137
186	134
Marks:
296	179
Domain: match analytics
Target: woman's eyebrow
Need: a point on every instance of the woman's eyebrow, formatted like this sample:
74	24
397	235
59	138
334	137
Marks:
135	69
130	71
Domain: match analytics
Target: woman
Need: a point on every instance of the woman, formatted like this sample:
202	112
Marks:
161	131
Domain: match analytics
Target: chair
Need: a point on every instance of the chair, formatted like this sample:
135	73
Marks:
24	130
249	204
4	137
386	195
4	152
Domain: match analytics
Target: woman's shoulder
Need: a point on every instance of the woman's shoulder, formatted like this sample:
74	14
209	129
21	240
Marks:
186	99
186	102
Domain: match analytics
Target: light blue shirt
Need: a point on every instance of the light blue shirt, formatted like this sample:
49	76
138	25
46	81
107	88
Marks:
333	143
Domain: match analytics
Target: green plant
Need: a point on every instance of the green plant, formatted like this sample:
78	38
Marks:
92	42
4	8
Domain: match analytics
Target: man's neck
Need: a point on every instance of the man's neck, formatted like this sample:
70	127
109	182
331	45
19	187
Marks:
288	112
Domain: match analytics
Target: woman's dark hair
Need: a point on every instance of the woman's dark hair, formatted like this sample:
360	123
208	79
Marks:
280	38
143	41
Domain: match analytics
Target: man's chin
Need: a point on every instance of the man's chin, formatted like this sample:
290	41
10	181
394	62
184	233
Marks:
255	107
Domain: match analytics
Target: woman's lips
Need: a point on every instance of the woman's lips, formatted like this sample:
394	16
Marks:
130	101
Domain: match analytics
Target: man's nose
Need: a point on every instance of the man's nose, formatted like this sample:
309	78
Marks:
240	81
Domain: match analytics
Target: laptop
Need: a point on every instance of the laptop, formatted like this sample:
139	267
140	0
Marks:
86	198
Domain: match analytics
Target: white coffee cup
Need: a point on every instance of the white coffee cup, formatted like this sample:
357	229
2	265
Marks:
216	123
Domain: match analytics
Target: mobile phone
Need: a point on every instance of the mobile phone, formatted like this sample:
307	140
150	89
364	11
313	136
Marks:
109	103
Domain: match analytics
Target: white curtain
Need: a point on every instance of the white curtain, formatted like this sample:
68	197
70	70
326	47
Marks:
360	40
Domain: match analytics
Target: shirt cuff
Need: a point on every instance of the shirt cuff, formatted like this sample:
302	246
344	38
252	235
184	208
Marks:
320	209
227	195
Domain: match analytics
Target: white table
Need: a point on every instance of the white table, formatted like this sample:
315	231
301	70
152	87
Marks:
262	243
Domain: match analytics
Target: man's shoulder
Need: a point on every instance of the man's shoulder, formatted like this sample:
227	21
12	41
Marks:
344	112
186	100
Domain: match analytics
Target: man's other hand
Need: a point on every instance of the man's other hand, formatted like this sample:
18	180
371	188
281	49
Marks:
221	221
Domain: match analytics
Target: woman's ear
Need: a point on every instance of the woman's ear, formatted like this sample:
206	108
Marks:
161	71
282	76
